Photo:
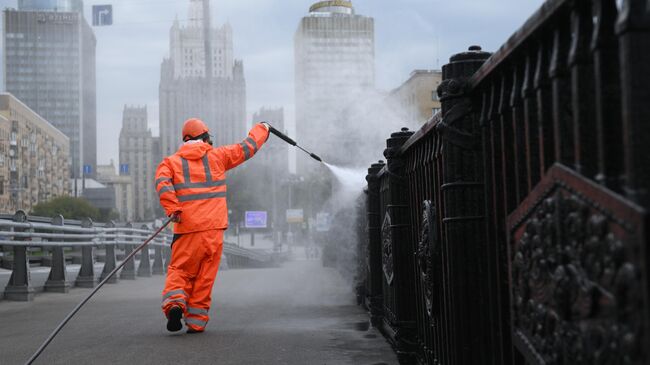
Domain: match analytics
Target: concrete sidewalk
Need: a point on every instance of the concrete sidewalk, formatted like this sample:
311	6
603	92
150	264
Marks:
298	314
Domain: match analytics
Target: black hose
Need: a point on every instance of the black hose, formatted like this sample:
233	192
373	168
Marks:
292	142
81	304
281	135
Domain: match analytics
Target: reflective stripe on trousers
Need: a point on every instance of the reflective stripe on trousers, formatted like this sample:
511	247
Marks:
197	311
195	322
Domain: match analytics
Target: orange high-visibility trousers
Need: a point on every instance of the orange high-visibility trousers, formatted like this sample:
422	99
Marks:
190	276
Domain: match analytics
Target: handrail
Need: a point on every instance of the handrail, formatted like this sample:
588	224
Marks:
421	133
20	233
52	235
522	35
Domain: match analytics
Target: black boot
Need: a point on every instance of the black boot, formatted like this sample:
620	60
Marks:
174	319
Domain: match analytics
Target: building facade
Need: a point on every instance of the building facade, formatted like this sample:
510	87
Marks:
276	151
123	188
49	64
273	164
52	5
334	65
33	157
214	91
417	98
137	160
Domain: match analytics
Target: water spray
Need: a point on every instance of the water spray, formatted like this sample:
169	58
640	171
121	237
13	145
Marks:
290	141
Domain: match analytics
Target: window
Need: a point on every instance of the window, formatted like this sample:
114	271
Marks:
434	95
434	111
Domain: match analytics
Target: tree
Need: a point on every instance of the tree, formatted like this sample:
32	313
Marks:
68	207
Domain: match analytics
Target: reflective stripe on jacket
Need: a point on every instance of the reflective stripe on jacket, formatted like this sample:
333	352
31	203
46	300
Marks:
193	181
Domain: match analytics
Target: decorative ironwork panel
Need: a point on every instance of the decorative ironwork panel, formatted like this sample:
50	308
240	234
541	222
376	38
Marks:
387	249
425	253
576	279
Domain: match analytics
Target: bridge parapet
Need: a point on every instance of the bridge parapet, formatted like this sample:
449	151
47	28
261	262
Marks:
28	240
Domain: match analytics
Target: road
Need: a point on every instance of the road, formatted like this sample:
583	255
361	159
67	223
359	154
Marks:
300	313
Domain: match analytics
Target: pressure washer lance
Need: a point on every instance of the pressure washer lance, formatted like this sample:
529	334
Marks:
292	142
101	283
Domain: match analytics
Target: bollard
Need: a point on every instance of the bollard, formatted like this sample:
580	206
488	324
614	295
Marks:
86	277
110	261
19	287
158	267
167	255
144	269
374	300
223	264
57	280
128	271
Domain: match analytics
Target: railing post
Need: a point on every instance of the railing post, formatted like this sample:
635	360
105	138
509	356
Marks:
86	277
397	251
361	271
633	30
374	300
19	287
582	86
461	188
110	261
144	269
57	281
128	271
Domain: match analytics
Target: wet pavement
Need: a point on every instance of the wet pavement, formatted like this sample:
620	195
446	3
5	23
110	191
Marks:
300	313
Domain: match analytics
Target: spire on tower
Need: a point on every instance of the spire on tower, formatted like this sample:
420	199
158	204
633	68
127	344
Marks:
195	14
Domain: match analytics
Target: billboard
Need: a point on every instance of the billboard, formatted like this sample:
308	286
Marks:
295	216
255	219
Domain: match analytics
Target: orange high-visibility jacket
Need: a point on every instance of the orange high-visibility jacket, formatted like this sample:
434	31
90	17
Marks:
193	181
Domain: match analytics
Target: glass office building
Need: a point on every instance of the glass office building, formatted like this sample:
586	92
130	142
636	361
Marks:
51	5
49	59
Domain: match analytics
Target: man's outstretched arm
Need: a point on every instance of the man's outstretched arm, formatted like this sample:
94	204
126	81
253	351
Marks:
235	154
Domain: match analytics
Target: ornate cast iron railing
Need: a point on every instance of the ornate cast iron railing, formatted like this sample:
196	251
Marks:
511	228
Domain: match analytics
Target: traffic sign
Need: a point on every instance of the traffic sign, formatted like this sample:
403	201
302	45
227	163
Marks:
124	169
88	169
102	15
322	222
255	219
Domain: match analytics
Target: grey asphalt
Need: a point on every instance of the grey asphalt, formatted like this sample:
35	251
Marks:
300	313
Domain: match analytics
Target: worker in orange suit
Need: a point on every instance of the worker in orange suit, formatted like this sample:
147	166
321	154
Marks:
191	185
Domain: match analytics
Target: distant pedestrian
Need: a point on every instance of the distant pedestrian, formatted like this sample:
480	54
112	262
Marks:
191	185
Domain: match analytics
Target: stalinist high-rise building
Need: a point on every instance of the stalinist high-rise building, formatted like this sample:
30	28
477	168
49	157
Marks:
137	160
201	79
334	66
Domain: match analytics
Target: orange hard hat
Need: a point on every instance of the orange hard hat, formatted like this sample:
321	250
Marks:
193	128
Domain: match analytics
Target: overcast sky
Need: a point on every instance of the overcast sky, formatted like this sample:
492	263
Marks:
410	34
